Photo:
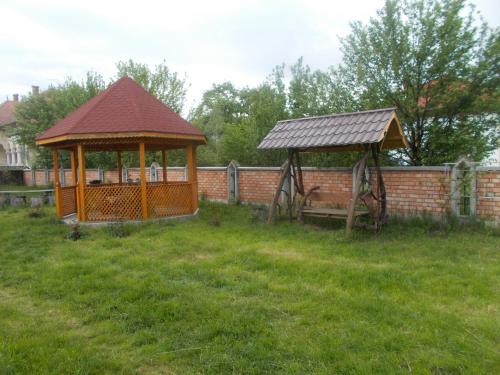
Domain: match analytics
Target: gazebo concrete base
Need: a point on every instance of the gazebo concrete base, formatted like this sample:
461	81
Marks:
72	220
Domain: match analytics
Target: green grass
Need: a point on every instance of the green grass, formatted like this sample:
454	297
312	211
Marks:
244	297
22	188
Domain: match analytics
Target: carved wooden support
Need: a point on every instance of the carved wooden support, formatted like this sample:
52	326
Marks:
355	194
300	216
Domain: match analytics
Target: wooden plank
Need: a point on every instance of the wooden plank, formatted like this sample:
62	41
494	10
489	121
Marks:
113	136
333	211
192	174
57	184
355	194
72	158
82	216
144	196
274	203
164	164
303	202
119	166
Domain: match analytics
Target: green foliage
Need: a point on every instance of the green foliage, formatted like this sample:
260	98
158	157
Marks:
36	212
440	71
119	230
248	298
38	112
236	120
160	82
75	233
431	59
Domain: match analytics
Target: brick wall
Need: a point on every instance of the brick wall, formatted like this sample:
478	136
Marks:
410	190
488	193
212	183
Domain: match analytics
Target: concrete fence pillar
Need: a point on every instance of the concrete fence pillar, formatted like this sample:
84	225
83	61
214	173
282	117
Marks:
233	193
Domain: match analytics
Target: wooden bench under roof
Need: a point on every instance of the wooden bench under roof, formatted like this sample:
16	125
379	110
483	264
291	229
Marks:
368	132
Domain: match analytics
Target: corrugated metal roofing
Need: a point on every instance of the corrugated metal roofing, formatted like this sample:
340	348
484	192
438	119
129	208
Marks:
123	107
331	130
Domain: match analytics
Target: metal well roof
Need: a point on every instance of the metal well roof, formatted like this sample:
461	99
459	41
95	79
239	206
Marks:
344	129
124	107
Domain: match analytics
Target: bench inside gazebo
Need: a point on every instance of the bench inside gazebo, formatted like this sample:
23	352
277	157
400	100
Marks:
124	117
368	132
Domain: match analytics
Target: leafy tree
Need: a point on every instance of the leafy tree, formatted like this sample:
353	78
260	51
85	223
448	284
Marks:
161	82
38	112
433	64
220	108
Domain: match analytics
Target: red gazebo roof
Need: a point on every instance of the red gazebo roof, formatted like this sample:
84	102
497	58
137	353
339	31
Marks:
124	108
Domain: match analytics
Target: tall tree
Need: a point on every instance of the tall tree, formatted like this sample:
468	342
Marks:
429	60
221	107
38	112
166	85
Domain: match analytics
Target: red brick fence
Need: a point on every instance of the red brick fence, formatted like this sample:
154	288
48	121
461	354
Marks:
410	190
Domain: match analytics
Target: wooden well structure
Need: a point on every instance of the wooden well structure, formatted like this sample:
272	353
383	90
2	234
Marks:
124	117
368	132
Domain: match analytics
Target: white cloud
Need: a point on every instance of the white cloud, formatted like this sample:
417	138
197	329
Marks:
44	42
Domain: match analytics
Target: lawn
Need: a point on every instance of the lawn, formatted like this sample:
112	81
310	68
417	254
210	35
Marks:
21	188
243	297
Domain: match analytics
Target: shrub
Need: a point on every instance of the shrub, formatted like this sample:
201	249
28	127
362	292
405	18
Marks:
36	212
75	233
118	230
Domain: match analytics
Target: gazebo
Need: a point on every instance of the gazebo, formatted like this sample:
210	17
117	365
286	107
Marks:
124	117
368	132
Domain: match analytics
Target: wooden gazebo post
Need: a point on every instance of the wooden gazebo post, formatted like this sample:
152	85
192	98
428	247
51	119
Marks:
81	183
164	164
74	178
192	174
72	158
144	194
119	166
57	184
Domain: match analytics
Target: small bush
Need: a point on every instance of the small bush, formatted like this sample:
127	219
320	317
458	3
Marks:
258	214
36	212
215	221
119	230
203	196
75	233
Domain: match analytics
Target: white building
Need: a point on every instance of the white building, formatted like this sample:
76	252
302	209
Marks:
11	152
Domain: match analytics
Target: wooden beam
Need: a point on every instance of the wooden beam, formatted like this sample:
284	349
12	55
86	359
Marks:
300	179
144	195
164	164
201	139
57	184
272	210
355	194
192	174
72	158
82	215
119	166
381	217
300	211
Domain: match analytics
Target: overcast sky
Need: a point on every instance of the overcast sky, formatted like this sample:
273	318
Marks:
43	42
